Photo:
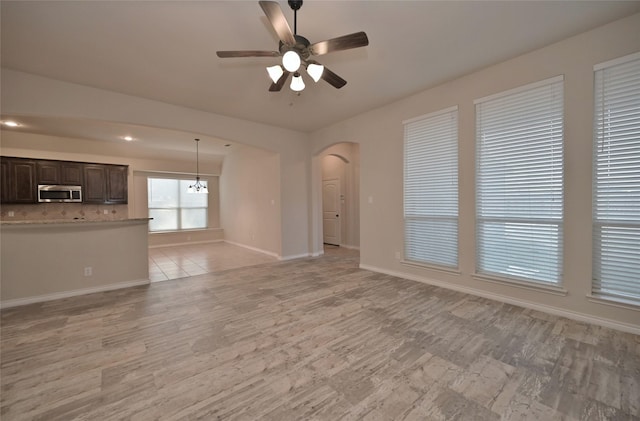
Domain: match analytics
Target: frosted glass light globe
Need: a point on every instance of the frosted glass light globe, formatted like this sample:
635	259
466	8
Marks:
291	61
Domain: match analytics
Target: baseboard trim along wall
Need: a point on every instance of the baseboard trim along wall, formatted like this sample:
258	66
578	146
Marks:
67	294
294	256
268	253
624	327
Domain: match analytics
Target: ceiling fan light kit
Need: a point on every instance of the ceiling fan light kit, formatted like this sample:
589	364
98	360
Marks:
297	84
275	72
296	50
291	61
315	71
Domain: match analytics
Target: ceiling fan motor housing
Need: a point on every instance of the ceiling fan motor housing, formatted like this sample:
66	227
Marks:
301	47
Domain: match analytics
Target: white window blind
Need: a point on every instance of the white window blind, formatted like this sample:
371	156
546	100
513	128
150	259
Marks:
519	183
616	184
431	189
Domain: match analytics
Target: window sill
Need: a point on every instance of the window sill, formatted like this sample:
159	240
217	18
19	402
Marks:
190	230
445	269
614	302
548	289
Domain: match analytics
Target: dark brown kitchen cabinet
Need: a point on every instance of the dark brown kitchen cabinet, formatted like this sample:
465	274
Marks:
95	186
101	183
59	172
117	191
4	181
18	180
48	172
71	173
105	183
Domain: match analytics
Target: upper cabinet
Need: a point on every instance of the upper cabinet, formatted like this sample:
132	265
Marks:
95	185
59	172
101	183
19	181
48	172
71	173
105	183
117	191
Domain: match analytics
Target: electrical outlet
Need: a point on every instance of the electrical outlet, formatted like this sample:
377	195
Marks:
88	271
12	214
105	211
397	255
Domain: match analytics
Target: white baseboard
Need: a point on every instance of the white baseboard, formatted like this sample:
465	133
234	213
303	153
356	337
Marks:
294	256
66	294
317	253
581	317
268	253
347	246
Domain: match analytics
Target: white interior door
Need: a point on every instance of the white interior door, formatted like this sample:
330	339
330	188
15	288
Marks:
331	211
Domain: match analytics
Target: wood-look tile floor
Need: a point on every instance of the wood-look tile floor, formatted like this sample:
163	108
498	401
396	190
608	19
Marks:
310	339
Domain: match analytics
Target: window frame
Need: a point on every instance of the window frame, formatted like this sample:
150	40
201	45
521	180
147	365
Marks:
178	209
482	220
611	220
439	217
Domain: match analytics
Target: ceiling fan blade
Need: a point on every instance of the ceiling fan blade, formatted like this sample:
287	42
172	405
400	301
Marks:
278	21
247	53
345	42
332	78
275	87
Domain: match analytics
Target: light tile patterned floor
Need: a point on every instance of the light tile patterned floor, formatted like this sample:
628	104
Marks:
173	262
308	339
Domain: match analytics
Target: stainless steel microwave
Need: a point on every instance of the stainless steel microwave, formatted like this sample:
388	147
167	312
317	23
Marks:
55	193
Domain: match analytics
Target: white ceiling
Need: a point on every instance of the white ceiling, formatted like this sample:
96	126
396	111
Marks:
165	50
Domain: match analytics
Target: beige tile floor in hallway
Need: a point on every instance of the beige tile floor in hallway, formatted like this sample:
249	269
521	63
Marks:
308	339
173	262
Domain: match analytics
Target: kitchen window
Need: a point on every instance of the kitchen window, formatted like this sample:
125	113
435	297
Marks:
173	208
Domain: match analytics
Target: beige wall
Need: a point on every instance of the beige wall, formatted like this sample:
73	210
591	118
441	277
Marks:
250	199
380	134
46	261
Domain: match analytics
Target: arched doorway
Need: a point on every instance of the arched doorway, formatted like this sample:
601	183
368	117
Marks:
337	183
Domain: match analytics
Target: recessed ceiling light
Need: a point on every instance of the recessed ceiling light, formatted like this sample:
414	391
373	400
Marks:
128	138
10	123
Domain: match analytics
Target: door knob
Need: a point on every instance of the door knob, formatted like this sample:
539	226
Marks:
337	216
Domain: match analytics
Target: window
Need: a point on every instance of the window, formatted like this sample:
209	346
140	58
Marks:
616	179
172	208
431	188
519	183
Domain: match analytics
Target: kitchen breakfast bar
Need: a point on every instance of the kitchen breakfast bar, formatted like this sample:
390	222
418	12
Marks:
45	260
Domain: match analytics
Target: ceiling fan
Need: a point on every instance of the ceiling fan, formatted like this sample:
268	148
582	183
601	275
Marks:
296	51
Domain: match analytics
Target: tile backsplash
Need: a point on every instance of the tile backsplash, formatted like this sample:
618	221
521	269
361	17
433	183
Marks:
58	211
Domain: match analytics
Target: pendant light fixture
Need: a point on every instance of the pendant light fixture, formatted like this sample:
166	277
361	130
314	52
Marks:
198	187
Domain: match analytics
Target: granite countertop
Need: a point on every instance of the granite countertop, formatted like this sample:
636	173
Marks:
72	221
